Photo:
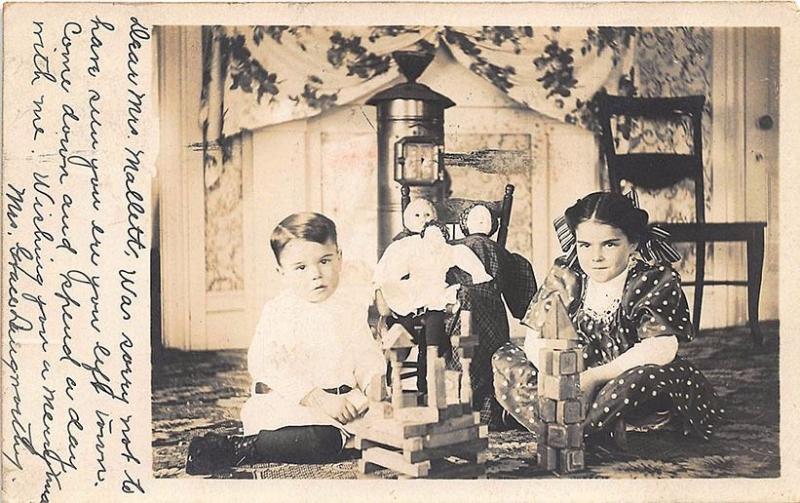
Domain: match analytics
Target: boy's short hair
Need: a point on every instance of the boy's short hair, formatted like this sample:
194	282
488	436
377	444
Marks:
308	226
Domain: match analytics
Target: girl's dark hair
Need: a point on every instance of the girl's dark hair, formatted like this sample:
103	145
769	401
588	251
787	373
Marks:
612	209
307	226
439	225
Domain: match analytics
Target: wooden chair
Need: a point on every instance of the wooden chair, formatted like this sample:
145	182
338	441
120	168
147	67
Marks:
449	212
662	170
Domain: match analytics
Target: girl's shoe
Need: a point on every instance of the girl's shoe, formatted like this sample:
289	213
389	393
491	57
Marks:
661	420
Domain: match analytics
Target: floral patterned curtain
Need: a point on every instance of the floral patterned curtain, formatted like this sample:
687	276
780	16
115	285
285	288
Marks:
257	76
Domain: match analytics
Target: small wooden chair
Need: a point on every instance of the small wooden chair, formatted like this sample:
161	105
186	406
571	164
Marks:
662	170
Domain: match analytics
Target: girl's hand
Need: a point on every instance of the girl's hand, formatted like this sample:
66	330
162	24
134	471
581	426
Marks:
590	381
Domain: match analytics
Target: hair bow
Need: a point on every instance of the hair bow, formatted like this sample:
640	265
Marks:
655	246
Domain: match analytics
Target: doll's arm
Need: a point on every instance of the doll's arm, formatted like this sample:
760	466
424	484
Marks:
464	258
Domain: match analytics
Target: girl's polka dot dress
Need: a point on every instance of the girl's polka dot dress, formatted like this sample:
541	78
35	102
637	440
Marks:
652	305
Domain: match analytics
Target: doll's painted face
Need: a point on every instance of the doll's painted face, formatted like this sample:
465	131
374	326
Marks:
311	270
603	250
479	220
418	213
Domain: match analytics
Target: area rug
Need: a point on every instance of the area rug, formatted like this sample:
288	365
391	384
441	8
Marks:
197	392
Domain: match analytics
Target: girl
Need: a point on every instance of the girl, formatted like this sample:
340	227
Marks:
630	316
312	359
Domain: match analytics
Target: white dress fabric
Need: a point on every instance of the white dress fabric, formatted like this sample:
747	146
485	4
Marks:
411	274
299	346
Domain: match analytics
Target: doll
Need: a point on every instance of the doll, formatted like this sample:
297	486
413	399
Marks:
513	282
411	274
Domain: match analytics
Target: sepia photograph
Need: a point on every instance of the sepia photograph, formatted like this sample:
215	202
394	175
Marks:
400	251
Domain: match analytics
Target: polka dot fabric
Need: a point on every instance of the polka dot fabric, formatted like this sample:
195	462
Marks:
652	305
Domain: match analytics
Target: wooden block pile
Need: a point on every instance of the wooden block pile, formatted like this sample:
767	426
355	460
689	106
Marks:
443	438
560	413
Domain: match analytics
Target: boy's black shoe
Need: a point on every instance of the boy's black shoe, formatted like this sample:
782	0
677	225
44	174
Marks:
213	452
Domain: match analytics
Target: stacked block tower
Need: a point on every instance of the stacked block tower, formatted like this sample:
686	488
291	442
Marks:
414	440
561	410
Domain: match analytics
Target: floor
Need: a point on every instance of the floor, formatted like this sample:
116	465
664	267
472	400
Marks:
195	392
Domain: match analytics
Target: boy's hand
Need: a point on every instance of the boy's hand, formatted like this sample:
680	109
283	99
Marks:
335	406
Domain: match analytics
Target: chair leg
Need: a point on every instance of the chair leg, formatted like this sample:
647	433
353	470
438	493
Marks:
755	264
699	282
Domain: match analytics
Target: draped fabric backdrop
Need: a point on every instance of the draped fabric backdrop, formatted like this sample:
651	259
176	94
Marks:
257	76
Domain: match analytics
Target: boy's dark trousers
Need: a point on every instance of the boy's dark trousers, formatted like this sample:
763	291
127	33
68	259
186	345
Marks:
299	444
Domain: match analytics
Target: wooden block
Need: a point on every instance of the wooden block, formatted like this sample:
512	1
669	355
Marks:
466	389
560	387
569	411
453	437
467	337
574	436
563	436
571	460
397	385
561	344
453	411
545	361
540	430
366	467
566	362
547	410
408	399
581	362
557	436
564	328
557	324
456	423
547	457
377	389
380	410
413	444
390	438
466	352
417	415
462	450
397	337
452	379
394	461
409	430
436	379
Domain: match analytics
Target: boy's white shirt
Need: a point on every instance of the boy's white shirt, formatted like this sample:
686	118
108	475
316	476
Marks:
299	346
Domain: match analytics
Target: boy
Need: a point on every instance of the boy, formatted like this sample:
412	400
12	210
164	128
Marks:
311	359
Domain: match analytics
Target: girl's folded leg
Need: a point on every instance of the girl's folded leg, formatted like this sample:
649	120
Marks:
647	390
